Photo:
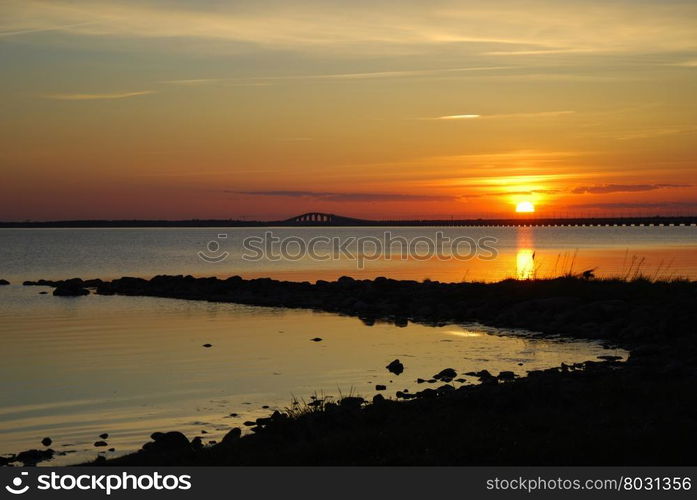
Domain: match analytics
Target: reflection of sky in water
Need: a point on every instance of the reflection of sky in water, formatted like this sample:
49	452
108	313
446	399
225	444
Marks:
132	365
89	253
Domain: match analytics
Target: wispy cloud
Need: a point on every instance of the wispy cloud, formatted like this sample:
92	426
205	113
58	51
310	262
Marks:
692	63
42	29
457	117
539	114
368	75
511	28
402	73
96	97
538	52
645	134
348	197
624	188
639	205
192	82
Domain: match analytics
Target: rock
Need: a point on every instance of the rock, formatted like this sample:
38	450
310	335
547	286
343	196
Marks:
104	435
378	398
316	339
196	443
486	377
420	381
232	436
401	322
233	414
101	444
207	345
33	457
447	374
112	449
249	423
506	375
43	293
607	357
351	402
167	441
428	394
380	387
47	441
395	367
4	282
70	290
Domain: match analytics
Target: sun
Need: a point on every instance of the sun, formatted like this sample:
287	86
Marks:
525	207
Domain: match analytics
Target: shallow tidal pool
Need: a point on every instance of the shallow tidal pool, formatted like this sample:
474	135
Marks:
75	368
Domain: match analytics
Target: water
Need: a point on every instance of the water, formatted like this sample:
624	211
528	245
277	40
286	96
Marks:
78	367
30	254
131	365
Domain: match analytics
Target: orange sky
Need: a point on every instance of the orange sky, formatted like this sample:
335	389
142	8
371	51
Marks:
183	109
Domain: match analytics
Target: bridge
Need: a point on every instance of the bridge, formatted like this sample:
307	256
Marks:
321	219
324	219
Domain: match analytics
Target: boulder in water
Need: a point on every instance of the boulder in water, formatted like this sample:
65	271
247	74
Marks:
395	367
70	290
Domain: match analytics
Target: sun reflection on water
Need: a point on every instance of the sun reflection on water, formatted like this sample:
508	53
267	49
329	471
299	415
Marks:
525	264
525	254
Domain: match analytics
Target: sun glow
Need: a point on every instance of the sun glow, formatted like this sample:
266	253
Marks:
525	264
525	207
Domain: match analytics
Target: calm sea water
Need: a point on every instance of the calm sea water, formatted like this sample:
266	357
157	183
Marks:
77	367
130	365
29	254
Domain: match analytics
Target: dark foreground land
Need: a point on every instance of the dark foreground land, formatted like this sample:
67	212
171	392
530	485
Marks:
639	412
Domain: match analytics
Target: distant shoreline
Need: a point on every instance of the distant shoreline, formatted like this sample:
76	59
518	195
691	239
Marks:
330	220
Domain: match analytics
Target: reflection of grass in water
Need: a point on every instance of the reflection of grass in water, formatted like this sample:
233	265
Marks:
634	268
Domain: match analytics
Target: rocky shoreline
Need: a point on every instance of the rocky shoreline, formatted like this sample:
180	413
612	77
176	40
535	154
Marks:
639	412
622	313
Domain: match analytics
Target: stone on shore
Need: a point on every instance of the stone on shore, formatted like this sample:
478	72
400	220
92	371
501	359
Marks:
33	457
445	375
167	441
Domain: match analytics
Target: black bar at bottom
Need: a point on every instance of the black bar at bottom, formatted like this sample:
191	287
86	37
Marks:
330	483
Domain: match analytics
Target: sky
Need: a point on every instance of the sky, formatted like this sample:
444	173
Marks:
266	109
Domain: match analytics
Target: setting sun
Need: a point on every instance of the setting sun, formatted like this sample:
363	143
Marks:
525	207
